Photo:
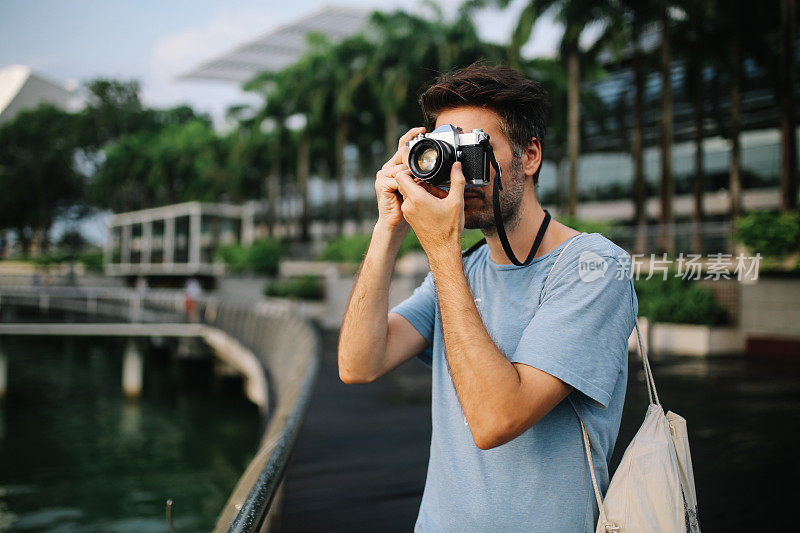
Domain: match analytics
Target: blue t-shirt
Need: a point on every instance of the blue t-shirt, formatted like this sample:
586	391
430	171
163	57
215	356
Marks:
576	330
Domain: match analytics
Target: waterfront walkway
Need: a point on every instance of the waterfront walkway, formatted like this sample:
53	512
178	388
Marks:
361	458
360	461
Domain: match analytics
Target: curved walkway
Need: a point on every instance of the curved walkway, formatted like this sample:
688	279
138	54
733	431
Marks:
361	458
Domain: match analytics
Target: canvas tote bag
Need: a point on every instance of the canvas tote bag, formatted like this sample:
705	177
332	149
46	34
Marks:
653	489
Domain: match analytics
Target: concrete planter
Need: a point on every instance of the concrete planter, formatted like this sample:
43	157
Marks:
691	339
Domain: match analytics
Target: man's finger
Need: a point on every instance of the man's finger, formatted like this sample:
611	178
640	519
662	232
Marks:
410	134
404	151
433	190
406	184
457	183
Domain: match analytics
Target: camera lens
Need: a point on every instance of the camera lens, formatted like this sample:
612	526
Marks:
430	160
427	160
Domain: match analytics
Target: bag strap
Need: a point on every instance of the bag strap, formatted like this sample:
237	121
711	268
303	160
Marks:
651	392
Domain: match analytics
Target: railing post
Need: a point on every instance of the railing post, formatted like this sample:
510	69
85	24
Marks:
3	372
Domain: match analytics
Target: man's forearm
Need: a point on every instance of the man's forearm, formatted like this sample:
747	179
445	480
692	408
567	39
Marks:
362	349
485	381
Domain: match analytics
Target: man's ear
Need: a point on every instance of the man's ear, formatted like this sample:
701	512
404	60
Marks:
532	157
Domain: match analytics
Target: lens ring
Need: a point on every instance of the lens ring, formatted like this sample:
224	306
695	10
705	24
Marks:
424	146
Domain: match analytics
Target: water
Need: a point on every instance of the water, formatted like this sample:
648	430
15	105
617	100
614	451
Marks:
75	456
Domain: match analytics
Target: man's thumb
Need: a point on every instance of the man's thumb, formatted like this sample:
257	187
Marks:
457	181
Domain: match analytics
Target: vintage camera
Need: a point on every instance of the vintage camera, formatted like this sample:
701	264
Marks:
433	154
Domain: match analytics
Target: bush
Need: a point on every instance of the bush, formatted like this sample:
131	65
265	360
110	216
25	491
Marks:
302	288
262	257
92	261
234	256
587	226
678	301
770	233
346	248
351	248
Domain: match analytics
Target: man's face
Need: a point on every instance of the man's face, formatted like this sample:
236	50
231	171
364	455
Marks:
478	211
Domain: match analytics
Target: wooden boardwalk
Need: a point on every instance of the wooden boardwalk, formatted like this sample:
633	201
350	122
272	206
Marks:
361	458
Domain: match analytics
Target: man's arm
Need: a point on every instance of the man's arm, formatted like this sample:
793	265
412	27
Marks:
370	342
500	399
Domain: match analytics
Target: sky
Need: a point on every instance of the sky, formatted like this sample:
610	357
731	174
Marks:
72	41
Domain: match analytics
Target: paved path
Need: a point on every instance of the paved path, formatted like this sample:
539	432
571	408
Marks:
361	458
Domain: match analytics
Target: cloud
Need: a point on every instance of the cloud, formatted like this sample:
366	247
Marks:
175	54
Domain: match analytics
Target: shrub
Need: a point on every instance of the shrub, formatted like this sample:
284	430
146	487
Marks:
351	248
302	288
346	248
587	226
262	257
92	260
770	233
470	237
234	256
678	301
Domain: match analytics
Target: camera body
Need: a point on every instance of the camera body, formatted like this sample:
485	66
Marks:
432	155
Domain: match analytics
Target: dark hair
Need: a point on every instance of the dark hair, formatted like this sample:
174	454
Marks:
521	103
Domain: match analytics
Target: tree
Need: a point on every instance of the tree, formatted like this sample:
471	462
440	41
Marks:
667	186
38	172
788	69
698	44
576	16
181	162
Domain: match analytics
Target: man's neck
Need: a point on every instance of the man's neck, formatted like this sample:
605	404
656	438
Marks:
521	237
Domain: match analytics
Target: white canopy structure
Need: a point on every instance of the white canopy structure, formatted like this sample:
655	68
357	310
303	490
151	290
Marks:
21	89
280	47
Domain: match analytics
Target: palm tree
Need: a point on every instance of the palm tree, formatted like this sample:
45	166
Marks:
667	187
638	17
788	70
576	16
697	43
302	88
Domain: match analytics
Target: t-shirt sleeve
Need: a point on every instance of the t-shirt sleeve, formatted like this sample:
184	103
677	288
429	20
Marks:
580	332
420	310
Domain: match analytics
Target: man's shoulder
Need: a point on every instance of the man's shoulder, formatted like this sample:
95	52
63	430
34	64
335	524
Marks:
594	243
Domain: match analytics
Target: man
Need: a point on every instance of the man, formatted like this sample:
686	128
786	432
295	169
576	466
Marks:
513	364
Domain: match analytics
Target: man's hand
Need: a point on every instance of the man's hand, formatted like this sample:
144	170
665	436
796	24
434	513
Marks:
437	220
389	210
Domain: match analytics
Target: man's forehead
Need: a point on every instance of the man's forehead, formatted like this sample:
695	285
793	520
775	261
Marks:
470	117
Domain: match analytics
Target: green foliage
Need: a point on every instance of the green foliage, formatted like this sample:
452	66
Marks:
770	233
346	248
678	301
470	237
92	260
262	257
39	178
351	248
235	257
180	162
587	226
302	288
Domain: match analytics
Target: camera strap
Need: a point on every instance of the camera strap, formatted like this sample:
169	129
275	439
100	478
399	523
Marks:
498	215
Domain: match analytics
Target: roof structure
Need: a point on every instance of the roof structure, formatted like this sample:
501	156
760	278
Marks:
280	47
21	89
